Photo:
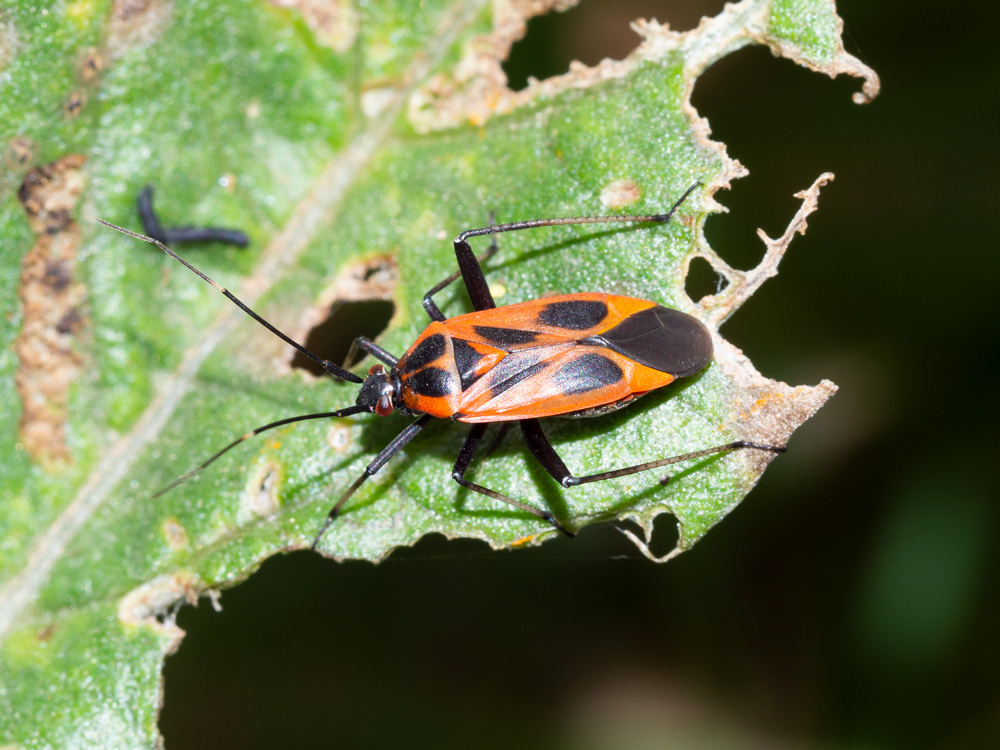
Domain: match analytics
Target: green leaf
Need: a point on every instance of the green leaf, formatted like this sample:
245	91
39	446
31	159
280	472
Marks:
351	147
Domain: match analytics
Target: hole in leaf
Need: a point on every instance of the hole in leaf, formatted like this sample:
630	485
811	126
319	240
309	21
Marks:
592	31
666	535
332	337
703	280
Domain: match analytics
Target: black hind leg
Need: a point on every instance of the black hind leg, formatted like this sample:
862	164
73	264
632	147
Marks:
542	450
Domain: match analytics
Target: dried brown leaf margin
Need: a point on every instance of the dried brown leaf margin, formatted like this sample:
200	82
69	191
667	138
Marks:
767	409
477	90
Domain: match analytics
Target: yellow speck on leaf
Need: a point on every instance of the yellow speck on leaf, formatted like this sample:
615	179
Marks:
80	12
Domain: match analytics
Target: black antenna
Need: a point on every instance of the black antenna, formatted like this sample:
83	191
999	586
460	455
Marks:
263	428
335	370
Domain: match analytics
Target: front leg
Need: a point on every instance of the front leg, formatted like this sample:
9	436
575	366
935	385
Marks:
368	346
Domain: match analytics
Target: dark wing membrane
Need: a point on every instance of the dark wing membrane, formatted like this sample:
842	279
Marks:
662	338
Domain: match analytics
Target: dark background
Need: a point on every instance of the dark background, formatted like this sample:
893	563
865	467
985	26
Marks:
849	602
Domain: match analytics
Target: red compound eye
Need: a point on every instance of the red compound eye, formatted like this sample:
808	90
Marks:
376	370
384	406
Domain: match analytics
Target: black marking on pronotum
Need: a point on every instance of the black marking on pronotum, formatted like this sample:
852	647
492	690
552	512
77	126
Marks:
641	337
505	336
177	235
574	315
427	351
466	359
432	382
588	372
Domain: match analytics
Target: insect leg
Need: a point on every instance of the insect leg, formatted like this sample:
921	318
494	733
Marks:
429	305
515	226
462	465
735	445
542	449
369	347
377	463
498	438
472	273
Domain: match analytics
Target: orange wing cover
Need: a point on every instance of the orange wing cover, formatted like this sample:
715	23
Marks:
527	360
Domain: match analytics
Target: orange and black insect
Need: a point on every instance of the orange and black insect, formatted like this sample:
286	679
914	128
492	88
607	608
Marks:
571	355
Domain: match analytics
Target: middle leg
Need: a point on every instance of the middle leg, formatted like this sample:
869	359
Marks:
462	463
